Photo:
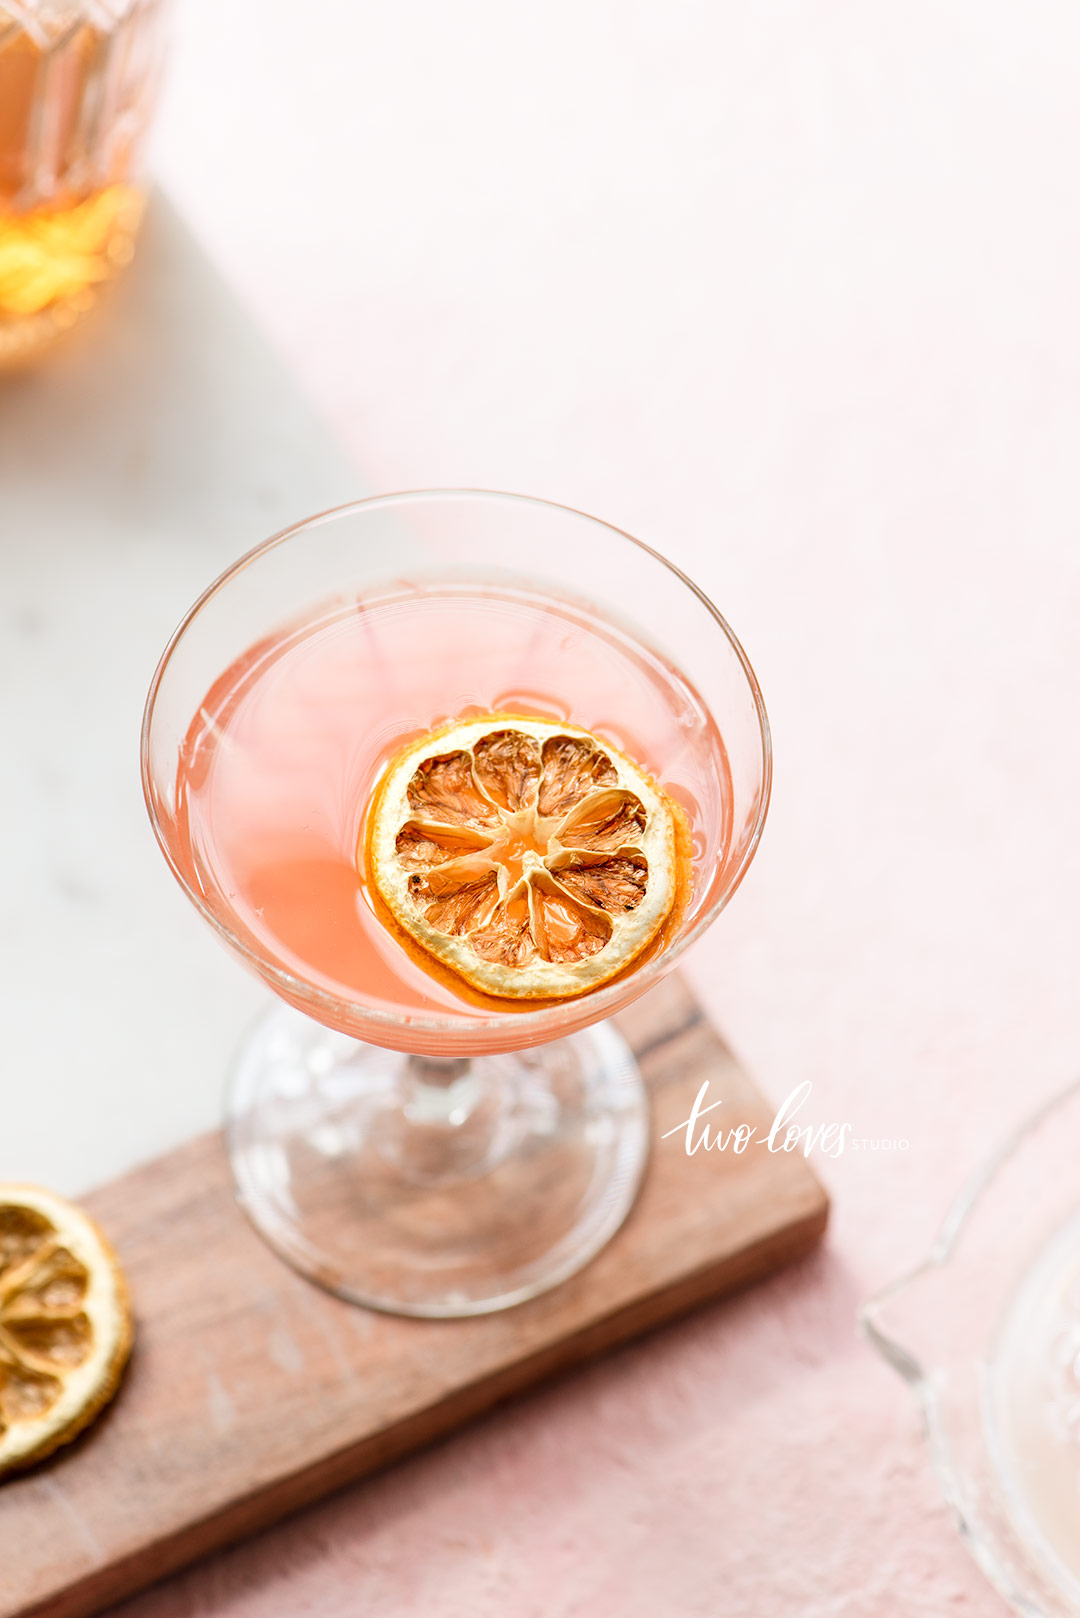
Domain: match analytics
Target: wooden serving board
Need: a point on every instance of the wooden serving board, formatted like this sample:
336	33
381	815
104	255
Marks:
252	1392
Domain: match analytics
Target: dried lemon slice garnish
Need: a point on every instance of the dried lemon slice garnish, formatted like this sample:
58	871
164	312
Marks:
65	1324
532	858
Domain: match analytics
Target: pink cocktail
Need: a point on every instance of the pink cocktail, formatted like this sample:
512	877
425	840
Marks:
418	1146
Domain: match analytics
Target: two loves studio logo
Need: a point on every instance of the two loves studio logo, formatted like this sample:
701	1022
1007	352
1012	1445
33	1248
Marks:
791	1130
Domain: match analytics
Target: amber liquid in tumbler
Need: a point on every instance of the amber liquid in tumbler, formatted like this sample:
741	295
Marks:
72	106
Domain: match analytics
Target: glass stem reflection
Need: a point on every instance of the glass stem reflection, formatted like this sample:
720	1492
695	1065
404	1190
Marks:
450	1123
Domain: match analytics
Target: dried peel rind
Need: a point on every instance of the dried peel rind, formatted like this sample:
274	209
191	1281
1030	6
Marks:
65	1324
532	858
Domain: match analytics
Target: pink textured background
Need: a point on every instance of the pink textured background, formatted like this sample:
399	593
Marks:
789	290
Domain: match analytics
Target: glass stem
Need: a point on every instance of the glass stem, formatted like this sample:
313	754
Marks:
448	1120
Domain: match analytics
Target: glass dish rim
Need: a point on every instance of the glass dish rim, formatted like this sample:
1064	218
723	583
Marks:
614	996
919	1376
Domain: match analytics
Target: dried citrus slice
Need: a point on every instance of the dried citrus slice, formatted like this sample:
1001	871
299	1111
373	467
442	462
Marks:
65	1324
532	858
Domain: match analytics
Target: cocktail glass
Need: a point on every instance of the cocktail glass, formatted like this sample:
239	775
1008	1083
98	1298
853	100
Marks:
78	80
406	1148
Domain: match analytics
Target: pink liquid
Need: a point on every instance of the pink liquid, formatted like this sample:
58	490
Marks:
280	762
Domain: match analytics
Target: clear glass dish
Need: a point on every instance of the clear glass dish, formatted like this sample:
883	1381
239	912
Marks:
987	1333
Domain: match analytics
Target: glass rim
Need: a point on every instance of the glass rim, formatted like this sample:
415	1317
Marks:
297	989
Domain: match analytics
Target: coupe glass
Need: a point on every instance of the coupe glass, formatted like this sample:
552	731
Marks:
434	1160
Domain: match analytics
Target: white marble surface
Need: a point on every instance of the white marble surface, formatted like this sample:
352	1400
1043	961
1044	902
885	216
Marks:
132	469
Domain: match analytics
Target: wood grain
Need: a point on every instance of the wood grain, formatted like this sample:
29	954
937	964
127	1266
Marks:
252	1393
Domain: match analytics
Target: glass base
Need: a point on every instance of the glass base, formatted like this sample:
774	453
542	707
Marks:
435	1186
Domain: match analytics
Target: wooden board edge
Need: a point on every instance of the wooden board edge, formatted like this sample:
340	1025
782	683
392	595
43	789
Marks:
286	1496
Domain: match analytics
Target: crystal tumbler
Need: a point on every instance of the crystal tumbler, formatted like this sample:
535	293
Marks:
77	82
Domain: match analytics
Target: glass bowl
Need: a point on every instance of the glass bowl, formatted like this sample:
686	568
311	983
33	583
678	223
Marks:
987	1333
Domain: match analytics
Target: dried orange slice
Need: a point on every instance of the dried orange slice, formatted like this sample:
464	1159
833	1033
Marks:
65	1324
532	858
